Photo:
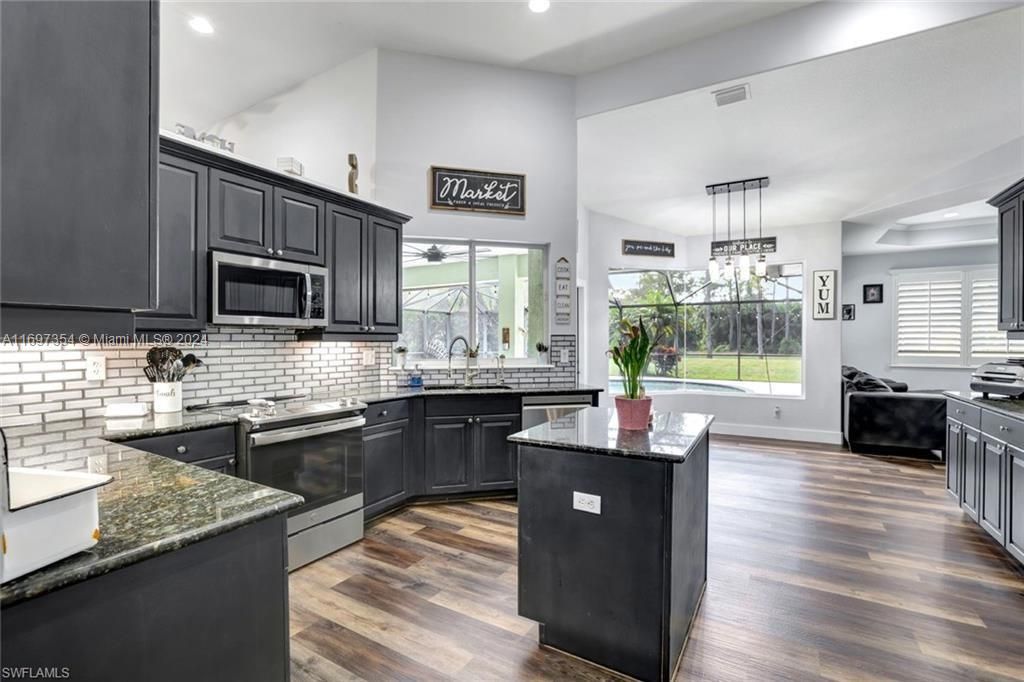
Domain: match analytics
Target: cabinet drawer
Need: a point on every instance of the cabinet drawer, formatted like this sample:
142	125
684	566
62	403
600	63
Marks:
392	410
964	412
190	446
1003	428
448	406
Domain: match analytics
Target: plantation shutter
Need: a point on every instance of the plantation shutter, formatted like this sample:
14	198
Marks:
928	316
986	339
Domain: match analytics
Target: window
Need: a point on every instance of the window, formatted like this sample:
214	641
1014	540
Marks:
493	294
948	318
722	337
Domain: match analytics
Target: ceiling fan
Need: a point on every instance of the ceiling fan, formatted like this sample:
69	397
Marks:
434	254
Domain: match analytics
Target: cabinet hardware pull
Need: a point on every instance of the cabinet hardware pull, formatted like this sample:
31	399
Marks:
372	328
478	420
231	461
469	421
270	251
383	413
1003	428
181	449
280	252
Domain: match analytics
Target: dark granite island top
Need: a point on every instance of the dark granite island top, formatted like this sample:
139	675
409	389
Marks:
1009	406
154	505
671	438
613	528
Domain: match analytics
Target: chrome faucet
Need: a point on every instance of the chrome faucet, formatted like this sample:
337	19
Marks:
468	379
501	368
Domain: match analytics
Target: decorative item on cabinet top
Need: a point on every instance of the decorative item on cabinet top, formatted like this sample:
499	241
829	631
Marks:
458	189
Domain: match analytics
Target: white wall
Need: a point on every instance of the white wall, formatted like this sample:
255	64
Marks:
320	122
814	417
867	341
435	111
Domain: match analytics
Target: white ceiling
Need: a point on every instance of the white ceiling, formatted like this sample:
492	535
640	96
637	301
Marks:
970	211
262	48
834	134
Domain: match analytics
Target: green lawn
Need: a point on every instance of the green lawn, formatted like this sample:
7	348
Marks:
783	369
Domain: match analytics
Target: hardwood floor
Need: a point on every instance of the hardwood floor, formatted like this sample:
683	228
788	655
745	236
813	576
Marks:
823	565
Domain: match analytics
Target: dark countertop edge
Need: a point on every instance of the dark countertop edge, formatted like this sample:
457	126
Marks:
78	574
613	452
410	393
990	403
148	431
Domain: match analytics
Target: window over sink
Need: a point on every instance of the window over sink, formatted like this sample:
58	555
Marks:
492	293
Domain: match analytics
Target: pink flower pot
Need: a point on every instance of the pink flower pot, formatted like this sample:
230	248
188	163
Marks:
633	414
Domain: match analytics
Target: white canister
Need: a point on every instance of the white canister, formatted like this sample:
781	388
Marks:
167	396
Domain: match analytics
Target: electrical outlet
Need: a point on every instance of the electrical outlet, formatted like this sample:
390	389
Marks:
777	412
586	502
369	358
563	356
95	368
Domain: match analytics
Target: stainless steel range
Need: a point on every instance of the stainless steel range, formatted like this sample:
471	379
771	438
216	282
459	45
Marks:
311	447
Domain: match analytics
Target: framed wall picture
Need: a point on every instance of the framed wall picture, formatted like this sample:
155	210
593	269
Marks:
849	312
824	302
872	293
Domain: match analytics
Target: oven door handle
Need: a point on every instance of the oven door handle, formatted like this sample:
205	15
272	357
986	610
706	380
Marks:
284	435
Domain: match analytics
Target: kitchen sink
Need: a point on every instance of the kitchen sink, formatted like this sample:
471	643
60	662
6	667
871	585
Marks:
474	387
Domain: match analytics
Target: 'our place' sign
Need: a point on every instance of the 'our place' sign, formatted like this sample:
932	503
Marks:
456	189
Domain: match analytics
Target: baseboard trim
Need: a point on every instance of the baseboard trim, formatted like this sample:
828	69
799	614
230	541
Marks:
777	433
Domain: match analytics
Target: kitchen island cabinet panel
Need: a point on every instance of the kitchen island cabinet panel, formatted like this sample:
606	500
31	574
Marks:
972	471
992	487
1015	505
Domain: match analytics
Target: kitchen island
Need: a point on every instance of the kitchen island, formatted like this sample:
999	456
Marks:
613	529
187	582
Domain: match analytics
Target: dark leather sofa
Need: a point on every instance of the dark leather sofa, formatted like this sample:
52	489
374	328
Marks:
881	416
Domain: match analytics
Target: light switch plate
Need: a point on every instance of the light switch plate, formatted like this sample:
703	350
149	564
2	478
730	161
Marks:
586	502
95	368
368	358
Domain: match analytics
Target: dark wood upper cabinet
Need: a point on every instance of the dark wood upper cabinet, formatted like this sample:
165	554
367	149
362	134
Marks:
348	260
78	114
241	214
181	275
386	287
1010	203
298	227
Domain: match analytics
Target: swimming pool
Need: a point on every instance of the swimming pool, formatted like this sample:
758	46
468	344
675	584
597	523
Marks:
653	386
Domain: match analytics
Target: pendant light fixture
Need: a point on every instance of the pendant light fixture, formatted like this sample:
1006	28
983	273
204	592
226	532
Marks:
713	270
744	265
762	263
728	270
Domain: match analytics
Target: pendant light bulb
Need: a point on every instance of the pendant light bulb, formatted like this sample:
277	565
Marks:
762	266
728	270
744	272
745	261
714	272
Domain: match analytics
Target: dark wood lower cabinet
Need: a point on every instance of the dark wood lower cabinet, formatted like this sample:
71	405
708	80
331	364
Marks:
387	449
224	464
954	457
495	456
971	445
1015	504
448	453
992	477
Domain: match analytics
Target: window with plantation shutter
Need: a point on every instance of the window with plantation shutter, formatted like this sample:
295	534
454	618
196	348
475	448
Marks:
949	318
929	317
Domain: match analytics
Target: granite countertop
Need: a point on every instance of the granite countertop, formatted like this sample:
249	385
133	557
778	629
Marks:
596	430
404	392
1008	406
154	505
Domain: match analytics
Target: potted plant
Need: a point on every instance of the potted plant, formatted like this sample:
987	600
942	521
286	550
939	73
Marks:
400	355
542	350
631	357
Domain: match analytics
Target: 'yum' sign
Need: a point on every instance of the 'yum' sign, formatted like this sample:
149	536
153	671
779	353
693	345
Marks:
824	300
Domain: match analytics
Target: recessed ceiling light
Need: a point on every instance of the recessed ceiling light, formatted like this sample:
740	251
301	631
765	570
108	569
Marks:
201	25
539	6
951	214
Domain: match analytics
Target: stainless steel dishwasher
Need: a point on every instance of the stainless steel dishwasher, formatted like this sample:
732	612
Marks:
539	409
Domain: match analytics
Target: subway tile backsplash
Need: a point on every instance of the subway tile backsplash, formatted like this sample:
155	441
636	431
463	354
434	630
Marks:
46	384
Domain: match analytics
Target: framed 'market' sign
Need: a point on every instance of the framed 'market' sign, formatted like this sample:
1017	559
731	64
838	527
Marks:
458	189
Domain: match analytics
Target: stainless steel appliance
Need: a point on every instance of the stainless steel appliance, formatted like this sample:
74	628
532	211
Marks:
540	409
1000	378
314	448
266	292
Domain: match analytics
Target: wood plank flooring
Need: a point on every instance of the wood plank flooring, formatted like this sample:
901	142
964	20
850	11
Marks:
822	565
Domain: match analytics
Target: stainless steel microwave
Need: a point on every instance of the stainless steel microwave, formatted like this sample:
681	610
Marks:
268	293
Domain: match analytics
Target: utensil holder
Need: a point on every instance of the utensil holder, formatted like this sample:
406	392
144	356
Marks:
167	396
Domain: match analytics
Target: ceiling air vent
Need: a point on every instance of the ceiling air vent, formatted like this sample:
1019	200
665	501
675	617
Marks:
737	93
